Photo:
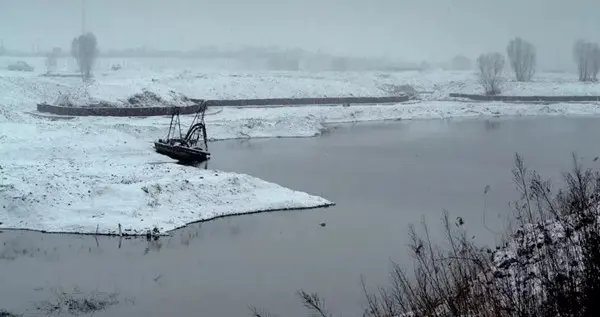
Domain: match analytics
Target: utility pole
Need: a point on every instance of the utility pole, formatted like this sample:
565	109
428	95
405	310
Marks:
82	16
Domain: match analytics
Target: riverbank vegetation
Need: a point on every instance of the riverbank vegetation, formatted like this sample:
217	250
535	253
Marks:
547	265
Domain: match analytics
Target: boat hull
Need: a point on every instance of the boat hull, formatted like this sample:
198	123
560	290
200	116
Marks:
182	153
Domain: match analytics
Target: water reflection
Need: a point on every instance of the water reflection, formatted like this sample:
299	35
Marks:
491	125
154	245
189	234
16	243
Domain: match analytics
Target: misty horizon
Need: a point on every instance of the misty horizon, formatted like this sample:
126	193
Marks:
424	30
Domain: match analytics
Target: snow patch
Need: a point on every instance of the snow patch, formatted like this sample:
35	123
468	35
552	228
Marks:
64	196
82	98
7	114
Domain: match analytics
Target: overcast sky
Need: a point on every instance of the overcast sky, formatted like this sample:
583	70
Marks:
402	29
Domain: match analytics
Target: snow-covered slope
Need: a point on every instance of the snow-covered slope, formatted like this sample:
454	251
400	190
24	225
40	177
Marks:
91	197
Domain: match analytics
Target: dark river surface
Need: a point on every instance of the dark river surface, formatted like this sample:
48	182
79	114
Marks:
383	177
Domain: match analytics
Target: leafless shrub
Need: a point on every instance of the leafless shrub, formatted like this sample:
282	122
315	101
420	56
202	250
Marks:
446	282
52	60
566	256
587	57
85	50
314	303
77	303
490	67
311	301
549	266
522	58
260	313
4	313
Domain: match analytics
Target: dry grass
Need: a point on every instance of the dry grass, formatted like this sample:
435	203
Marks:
311	301
77	303
4	313
549	266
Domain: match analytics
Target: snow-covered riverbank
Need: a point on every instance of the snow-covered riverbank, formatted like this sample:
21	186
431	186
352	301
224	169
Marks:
231	123
81	177
99	197
89	174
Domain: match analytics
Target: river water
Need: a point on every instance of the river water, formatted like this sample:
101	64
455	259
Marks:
383	178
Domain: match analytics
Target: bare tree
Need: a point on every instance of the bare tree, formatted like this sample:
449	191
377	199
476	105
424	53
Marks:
522	57
85	50
52	60
490	67
587	57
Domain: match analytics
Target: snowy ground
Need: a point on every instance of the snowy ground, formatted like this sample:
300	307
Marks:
235	123
90	197
231	123
91	173
79	177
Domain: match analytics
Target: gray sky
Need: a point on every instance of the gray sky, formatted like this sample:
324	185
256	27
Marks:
401	29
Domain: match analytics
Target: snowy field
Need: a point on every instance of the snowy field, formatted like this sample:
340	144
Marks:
90	174
222	79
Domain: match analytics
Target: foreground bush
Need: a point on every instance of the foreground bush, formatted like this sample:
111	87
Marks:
549	264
